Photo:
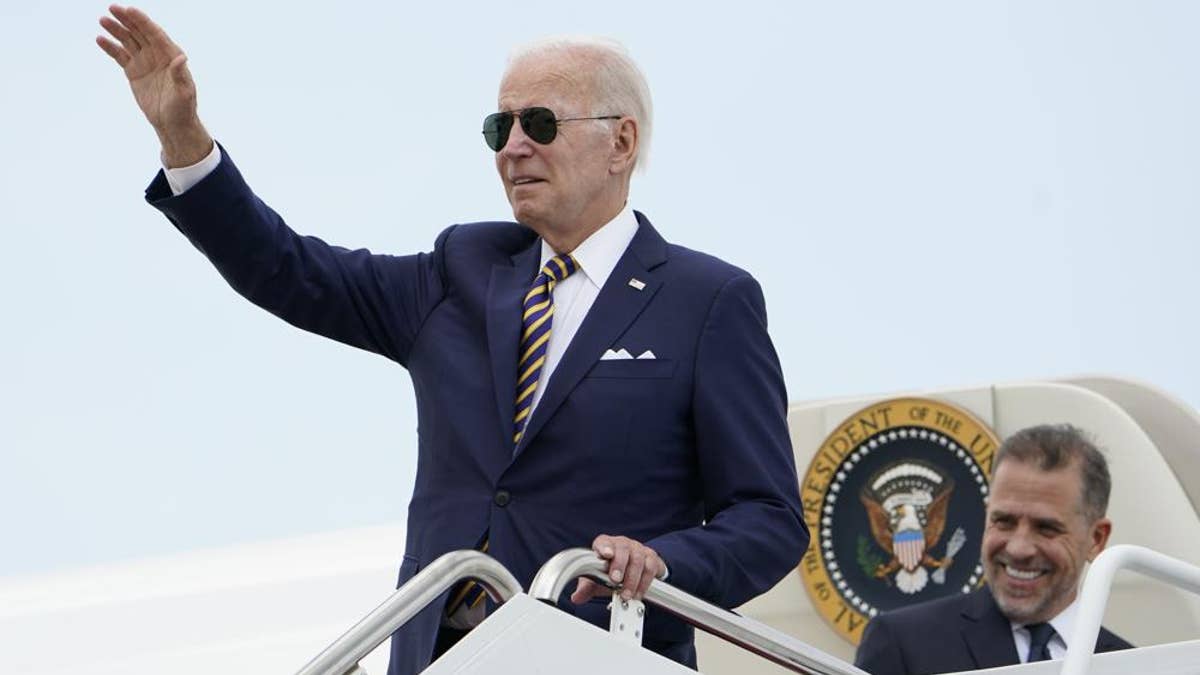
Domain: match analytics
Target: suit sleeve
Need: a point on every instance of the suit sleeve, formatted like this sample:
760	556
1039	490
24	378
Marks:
754	532
374	302
879	652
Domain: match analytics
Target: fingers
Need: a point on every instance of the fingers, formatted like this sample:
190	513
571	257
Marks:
632	564
650	571
121	33
587	589
114	50
620	560
633	574
141	48
141	28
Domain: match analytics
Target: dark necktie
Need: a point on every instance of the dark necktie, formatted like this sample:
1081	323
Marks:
1039	641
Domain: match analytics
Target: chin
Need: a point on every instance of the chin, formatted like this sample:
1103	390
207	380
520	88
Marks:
525	213
1022	610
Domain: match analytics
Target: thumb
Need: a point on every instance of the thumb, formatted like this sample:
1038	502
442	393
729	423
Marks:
583	591
180	75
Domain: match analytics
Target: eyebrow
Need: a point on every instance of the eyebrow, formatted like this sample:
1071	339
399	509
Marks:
1050	522
1039	522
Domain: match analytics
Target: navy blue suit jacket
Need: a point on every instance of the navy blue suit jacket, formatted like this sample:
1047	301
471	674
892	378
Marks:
959	632
688	453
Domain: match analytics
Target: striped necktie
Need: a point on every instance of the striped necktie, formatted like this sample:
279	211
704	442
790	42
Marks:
537	314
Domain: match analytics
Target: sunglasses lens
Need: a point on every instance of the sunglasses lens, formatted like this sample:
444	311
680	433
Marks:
539	124
495	130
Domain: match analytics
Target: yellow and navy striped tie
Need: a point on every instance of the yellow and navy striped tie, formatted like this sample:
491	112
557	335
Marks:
537	313
467	592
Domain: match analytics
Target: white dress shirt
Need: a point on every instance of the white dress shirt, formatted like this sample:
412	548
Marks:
183	178
1063	623
575	295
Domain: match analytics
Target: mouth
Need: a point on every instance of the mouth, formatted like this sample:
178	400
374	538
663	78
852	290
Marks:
1023	575
1023	578
525	180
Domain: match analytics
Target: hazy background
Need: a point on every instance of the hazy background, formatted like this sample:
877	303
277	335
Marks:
931	193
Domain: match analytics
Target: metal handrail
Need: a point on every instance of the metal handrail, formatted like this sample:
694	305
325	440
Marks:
1094	595
342	657
748	634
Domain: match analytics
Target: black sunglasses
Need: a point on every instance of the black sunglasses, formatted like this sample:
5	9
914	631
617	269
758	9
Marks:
540	124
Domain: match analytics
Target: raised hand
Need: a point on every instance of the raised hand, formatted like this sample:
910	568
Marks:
162	84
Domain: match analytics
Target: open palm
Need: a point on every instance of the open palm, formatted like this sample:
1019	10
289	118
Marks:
157	72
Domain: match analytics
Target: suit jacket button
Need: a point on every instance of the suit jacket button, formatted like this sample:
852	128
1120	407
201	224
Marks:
502	498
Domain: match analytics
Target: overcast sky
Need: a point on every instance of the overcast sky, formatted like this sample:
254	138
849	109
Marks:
931	194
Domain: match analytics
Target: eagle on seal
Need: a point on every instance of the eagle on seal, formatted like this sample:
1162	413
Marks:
906	506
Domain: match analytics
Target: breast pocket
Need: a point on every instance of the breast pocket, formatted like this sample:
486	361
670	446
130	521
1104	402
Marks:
634	368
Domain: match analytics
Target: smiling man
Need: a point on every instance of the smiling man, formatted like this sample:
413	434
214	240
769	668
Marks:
579	380
1045	520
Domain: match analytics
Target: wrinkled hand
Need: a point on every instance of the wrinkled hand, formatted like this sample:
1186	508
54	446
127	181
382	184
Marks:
162	84
633	565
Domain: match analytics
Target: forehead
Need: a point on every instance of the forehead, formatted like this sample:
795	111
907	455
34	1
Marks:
1023	488
543	80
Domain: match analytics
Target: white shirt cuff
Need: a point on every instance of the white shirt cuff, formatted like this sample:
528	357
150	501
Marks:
183	178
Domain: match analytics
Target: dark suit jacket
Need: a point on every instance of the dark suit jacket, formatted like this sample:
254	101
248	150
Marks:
959	632
688	453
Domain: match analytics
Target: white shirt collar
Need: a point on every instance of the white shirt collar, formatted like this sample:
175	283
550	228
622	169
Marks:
599	253
1062	623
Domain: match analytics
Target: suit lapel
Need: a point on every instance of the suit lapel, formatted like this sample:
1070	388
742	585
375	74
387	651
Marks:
506	289
1107	641
617	305
987	633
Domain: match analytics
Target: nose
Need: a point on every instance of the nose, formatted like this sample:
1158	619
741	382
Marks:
1019	544
518	145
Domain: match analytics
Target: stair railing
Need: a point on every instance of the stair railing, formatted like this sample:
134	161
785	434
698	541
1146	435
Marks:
1094	595
342	657
748	634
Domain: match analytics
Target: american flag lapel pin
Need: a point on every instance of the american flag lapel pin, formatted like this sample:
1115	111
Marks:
637	283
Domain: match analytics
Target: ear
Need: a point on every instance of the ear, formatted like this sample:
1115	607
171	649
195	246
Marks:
625	145
1100	531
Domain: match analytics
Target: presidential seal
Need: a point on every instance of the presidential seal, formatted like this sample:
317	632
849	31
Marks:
895	500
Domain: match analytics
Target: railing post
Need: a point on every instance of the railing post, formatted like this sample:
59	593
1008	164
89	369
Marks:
626	618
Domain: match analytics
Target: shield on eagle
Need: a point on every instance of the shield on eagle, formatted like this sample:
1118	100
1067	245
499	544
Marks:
906	504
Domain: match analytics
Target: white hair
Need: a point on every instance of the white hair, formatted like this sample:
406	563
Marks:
618	85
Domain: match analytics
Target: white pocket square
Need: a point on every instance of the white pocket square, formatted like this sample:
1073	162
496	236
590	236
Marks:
620	354
610	355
